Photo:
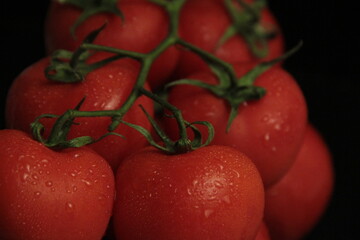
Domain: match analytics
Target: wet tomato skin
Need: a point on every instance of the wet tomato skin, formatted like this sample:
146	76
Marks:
212	23
213	192
270	130
107	88
144	27
52	195
296	203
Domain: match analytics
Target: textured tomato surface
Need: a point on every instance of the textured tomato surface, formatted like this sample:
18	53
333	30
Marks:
52	195
106	88
270	130
212	21
214	192
145	25
295	204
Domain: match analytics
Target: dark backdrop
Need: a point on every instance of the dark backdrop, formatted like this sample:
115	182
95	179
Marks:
327	69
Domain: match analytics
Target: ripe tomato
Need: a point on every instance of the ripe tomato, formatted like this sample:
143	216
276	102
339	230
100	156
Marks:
210	25
214	192
270	130
295	204
52	195
145	25
263	233
105	88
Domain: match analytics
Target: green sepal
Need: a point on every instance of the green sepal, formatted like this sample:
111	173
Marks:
246	23
197	141
92	7
37	128
71	67
147	135
84	140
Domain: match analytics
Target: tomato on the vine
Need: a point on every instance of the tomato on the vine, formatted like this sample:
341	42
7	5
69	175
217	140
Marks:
212	21
105	88
295	204
49	194
145	25
270	130
214	192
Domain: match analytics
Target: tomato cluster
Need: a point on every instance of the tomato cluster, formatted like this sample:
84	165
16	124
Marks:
74	160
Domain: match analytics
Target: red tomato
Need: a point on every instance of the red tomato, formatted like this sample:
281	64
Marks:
214	192
145	26
206	29
105	88
270	130
52	195
263	233
295	204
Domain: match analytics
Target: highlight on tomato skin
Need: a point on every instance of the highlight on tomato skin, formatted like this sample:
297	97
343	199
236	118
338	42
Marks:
107	88
270	130
211	25
213	192
296	203
48	194
145	25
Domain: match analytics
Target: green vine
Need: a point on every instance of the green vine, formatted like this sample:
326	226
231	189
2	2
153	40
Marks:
70	67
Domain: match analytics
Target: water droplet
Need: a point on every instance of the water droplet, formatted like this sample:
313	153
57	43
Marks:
91	171
28	168
53	189
237	173
218	184
34	176
189	191
37	194
104	175
49	183
267	137
25	176
108	186
77	155
73	174
88	183
208	212
69	206
74	188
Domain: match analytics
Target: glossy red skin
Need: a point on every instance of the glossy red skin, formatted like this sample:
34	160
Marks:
145	26
211	193
270	130
106	88
52	195
210	25
295	204
263	233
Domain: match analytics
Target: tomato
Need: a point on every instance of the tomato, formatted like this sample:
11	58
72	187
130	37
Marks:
105	88
49	194
214	192
145	25
295	204
263	233
270	130
210	26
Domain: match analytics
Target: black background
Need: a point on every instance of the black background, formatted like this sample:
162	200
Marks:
327	69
